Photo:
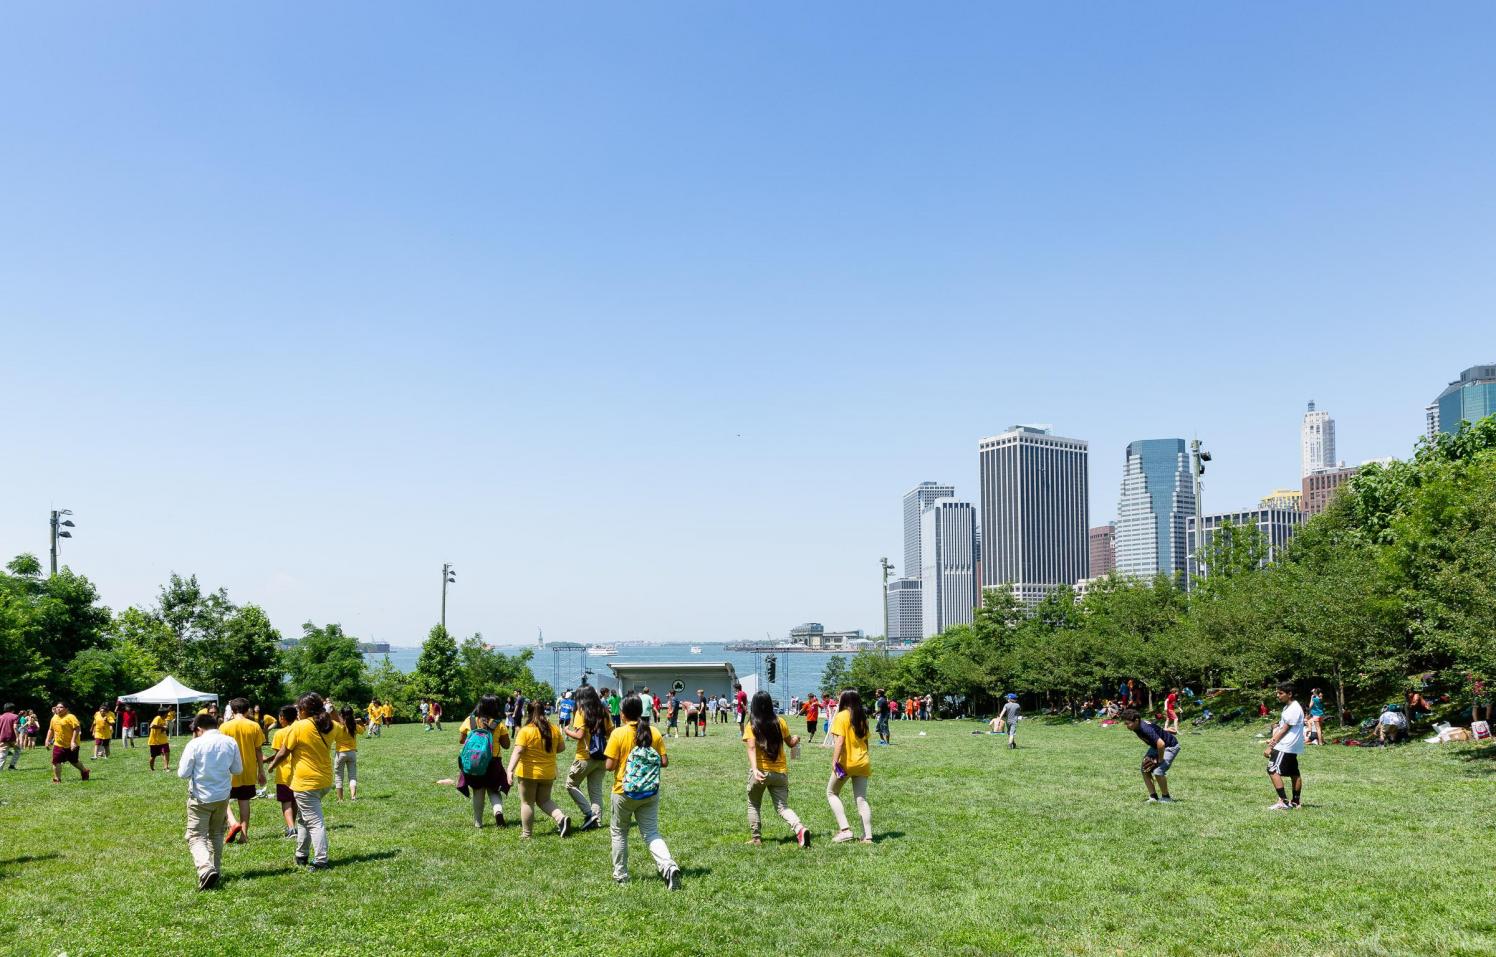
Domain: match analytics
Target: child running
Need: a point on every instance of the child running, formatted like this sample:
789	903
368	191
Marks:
812	715
533	763
64	735
157	742
306	745
850	759
1171	711
636	756
590	728
103	731
484	781
345	758
1163	748
768	741
245	732
283	792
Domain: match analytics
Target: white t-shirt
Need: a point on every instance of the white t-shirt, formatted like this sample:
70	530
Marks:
1293	719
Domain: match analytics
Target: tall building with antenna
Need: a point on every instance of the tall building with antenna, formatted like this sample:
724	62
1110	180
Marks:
1317	440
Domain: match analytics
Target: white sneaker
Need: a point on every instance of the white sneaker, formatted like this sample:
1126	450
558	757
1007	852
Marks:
1281	806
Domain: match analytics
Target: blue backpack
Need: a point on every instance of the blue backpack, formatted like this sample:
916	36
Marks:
477	751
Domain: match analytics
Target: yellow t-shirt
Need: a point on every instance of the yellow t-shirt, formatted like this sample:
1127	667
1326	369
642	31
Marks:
250	737
854	749
497	732
780	764
389	713
341	739
375	711
310	758
579	723
282	770
103	725
65	731
158	730
268	721
621	742
536	761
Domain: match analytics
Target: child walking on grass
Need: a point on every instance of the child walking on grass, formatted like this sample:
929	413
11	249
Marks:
590	727
484	781
769	741
283	792
157	741
345	757
850	761
307	746
636	756
533	764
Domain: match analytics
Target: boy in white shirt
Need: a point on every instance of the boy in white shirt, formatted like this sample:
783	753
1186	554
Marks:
1284	748
209	763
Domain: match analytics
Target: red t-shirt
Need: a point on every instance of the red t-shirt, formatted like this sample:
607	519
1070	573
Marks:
812	711
1171	702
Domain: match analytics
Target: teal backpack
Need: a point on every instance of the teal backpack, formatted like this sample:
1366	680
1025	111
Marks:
477	751
641	773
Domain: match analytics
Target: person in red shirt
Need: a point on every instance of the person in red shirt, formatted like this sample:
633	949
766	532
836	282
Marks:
127	727
1171	711
740	704
812	715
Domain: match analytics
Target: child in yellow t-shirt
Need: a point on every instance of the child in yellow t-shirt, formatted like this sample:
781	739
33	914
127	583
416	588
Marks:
850	761
769	741
283	792
157	741
103	730
533	763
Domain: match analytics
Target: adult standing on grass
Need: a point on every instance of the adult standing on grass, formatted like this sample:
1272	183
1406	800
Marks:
157	741
345	752
64	735
306	744
436	714
247	734
1284	747
1317	715
636	756
590	727
739	704
209	762
880	708
103	730
533	764
769	741
10	737
850	760
483	781
1163	748
1007	720
701	712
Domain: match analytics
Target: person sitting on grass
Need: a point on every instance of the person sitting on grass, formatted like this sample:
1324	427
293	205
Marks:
209	762
1163	748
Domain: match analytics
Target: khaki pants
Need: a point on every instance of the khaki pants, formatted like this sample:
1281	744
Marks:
311	830
206	823
10	752
593	772
534	792
778	786
864	810
647	813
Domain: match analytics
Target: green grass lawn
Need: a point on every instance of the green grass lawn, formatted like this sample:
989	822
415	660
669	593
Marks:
1046	850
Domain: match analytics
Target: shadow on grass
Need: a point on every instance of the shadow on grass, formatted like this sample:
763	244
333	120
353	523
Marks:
887	836
333	864
25	859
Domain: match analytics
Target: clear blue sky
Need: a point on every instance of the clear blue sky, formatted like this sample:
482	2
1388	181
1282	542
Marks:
645	315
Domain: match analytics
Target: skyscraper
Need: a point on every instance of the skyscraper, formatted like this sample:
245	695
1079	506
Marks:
947	583
903	610
1276	525
1103	550
1157	497
1317	441
1035	511
916	500
1469	398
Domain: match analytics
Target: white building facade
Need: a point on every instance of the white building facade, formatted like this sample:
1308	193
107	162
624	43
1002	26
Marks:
904	610
1317	441
948	586
1035	511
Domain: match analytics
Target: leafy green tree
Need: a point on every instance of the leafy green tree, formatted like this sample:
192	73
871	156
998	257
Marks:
484	670
94	676
327	660
244	658
870	671
393	687
438	669
834	675
25	565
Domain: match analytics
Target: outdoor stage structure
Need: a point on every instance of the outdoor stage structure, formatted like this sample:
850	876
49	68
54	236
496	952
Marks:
568	659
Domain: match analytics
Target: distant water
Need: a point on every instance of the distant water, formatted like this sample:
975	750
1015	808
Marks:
798	672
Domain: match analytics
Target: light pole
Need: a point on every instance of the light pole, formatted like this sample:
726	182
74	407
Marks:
1198	458
60	528
449	576
886	569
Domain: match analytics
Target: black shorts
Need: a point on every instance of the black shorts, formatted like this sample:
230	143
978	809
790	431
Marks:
284	794
159	749
1284	763
810	726
242	792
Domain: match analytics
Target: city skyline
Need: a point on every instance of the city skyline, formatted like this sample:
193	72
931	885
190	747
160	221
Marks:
577	305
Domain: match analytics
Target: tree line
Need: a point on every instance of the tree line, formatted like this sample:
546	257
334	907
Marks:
1393	585
58	642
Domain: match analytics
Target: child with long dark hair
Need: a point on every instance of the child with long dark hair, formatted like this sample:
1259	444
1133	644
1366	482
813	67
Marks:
487	788
590	727
533	764
769	741
850	760
283	792
636	755
345	757
306	744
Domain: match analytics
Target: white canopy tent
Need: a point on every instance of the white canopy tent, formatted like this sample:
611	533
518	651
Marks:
169	691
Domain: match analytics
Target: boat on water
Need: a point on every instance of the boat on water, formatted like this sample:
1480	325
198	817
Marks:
603	651
695	649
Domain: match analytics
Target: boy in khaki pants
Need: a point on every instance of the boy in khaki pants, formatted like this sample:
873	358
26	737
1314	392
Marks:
208	763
